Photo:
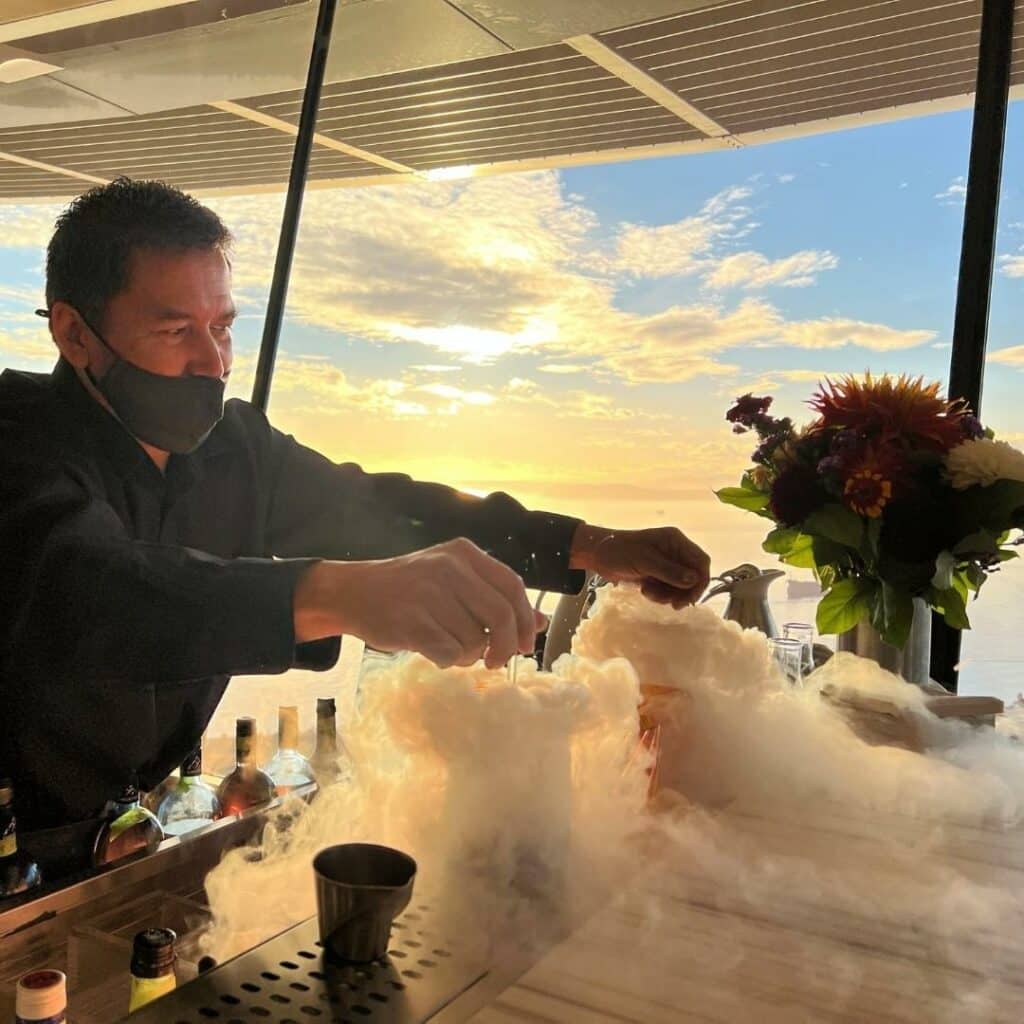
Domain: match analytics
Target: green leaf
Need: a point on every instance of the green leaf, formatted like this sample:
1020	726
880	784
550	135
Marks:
975	576
801	554
836	523
848	602
952	605
893	614
873	536
944	566
751	501
780	540
996	507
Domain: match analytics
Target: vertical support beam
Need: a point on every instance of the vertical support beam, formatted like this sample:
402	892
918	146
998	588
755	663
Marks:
977	252
293	203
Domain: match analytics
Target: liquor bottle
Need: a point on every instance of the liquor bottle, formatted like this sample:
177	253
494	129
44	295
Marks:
154	797
288	768
329	760
192	803
152	966
128	828
18	872
41	998
246	786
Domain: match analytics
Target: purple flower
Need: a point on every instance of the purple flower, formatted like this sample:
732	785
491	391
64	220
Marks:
972	428
845	442
830	464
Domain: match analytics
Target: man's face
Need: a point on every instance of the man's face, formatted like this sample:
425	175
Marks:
174	317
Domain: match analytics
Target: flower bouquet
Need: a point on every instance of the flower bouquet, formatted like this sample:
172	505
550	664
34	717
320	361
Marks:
890	494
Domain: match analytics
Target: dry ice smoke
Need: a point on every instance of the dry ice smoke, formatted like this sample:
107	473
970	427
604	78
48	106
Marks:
526	803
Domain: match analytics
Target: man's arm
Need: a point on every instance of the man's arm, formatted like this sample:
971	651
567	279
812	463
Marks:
79	597
322	509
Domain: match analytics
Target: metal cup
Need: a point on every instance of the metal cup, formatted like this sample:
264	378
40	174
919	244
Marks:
360	890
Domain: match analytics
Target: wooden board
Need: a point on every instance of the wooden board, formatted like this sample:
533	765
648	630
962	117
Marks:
686	945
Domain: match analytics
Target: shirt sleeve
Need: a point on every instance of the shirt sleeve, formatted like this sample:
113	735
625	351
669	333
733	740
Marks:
339	511
79	597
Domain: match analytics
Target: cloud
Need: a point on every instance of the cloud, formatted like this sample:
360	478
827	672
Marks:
563	368
754	270
835	332
954	193
28	344
785	179
1012	356
1012	266
684	247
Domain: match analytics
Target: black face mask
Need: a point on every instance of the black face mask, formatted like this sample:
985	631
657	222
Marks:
174	414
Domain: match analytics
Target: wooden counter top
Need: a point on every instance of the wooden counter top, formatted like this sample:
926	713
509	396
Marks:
764	920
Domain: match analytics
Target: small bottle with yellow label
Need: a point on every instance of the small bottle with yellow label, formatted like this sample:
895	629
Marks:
152	966
18	872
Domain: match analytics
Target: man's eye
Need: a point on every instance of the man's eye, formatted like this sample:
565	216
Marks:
222	327
176	332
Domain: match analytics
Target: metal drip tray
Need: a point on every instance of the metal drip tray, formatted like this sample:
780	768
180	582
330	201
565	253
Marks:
288	980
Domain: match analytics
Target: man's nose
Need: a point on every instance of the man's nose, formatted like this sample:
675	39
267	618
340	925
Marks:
211	356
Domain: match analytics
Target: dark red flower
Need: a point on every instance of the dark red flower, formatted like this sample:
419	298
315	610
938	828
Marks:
796	493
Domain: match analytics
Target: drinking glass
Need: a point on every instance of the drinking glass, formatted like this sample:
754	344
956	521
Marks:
804	632
788	655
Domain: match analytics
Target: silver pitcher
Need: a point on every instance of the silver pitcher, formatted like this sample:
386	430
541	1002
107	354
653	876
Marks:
747	587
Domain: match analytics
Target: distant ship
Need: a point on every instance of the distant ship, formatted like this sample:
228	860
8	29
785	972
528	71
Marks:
802	588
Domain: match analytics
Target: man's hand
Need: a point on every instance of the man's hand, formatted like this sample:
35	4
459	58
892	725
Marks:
451	603
669	567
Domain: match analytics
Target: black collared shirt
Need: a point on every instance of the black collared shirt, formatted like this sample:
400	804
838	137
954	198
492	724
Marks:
128	597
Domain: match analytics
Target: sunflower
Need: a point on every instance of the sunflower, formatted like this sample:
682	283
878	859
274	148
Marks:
891	409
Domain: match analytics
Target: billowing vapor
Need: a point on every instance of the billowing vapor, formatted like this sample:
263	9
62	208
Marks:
526	803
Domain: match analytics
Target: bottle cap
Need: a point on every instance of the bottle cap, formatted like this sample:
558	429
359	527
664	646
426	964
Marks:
153	953
325	706
41	995
245	726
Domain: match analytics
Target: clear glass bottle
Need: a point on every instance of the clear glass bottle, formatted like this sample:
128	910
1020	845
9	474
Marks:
41	998
192	803
18	872
330	761
288	768
246	786
153	798
129	827
152	966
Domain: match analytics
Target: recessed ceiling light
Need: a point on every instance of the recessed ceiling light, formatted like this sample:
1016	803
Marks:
18	69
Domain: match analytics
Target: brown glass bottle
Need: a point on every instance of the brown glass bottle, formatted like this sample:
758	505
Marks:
246	786
18	872
129	827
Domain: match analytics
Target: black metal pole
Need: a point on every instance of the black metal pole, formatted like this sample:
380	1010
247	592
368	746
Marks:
293	203
977	252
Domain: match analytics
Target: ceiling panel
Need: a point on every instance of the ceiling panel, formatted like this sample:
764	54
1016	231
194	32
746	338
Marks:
753	64
20	182
537	102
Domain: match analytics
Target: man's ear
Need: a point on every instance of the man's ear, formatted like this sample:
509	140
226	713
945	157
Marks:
68	333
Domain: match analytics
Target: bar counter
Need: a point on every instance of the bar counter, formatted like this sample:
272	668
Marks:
753	917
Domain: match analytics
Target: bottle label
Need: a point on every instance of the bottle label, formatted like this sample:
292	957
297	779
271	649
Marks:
193	764
145	990
9	844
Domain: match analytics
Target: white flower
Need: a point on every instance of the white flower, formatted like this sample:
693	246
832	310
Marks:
983	462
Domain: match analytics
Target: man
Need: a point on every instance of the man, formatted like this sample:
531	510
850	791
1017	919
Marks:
156	541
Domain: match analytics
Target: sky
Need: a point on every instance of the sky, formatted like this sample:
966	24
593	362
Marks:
576	336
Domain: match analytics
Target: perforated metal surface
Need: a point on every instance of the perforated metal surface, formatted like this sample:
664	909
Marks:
289	980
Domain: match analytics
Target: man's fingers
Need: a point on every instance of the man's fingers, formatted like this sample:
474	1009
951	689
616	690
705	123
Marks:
671	572
457	622
492	613
512	590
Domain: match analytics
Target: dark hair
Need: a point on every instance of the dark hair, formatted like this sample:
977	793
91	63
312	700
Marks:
88	260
